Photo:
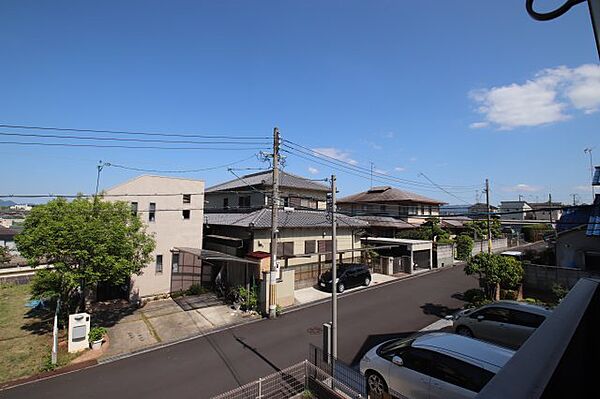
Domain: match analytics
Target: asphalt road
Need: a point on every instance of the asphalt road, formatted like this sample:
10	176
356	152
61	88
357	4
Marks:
206	366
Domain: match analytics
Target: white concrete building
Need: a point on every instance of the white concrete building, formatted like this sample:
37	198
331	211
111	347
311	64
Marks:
514	210
172	210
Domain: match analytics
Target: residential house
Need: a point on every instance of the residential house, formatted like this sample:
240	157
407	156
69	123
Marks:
542	212
7	238
578	237
514	210
477	210
304	240
391	202
172	210
251	192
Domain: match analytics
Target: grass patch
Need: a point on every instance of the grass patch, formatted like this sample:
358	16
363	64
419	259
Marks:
25	335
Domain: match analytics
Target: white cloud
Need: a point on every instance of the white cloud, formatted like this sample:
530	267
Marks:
478	125
412	159
374	146
313	171
547	98
399	169
389	135
521	188
335	153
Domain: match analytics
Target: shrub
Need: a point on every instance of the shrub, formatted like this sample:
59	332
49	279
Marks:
559	292
464	247
494	270
96	334
247	298
535	232
196	289
473	295
509	294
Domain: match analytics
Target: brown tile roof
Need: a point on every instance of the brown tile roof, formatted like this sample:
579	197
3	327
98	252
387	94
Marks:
387	194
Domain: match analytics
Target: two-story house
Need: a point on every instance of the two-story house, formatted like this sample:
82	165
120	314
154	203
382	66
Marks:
514	210
172	210
253	191
391	202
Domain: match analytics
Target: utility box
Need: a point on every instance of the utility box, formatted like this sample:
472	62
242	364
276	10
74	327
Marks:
79	328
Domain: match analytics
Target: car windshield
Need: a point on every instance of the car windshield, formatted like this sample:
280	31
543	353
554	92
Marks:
393	346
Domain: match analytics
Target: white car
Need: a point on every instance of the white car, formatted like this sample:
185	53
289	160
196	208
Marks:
432	366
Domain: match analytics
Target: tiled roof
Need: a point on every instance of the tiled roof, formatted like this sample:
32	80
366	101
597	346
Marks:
386	221
387	194
8	233
261	219
266	179
587	215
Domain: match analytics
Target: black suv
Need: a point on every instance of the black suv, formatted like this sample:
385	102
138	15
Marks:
348	276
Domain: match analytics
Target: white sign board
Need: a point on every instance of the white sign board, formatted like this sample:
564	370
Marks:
79	328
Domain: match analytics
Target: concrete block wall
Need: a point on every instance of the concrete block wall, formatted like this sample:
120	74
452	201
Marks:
482	246
542	277
445	255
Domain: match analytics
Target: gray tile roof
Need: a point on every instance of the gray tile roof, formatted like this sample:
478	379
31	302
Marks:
261	219
265	179
387	194
386	221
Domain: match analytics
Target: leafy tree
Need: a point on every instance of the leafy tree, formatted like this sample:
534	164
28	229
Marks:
87	242
535	232
494	270
4	254
478	228
464	246
431	228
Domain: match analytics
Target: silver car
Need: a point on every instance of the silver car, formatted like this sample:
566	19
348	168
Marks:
432	366
508	323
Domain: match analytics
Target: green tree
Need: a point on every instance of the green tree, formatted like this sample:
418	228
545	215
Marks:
429	229
4	254
87	242
478	228
535	232
494	270
464	247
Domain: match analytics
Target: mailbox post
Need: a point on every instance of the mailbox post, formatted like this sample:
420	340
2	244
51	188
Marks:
79	328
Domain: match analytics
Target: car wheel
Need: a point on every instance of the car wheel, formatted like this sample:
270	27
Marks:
376	384
340	288
464	331
367	281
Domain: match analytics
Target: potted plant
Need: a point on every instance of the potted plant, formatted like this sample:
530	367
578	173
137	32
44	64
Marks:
96	337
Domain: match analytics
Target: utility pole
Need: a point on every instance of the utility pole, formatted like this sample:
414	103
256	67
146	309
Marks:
589	151
333	272
489	225
274	227
100	167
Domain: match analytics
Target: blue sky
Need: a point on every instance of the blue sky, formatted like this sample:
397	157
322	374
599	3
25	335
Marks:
459	91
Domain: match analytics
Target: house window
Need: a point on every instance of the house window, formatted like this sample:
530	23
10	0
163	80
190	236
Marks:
244	202
175	262
286	201
422	209
310	246
325	246
225	203
134	208
429	210
187	198
285	248
159	263
152	212
382	208
186	213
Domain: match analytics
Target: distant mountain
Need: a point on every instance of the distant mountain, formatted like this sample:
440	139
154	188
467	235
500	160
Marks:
7	203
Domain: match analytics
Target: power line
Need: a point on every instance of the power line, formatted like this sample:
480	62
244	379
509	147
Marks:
177	171
443	189
126	139
129	147
131	132
359	168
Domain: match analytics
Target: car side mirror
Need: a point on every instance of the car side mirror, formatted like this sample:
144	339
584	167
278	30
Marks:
397	360
480	317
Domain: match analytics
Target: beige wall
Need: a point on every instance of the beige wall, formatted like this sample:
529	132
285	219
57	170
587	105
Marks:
392	210
257	199
169	228
262	242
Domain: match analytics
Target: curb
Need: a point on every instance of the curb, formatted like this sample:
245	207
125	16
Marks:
70	368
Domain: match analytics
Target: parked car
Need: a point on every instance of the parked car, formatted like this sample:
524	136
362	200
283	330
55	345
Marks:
507	323
348	276
432	366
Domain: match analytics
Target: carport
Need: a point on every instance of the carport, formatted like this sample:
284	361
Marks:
408	255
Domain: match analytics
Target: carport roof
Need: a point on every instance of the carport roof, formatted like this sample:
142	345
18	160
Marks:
207	254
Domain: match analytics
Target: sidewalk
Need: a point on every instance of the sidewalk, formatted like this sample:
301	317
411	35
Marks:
311	294
164	321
